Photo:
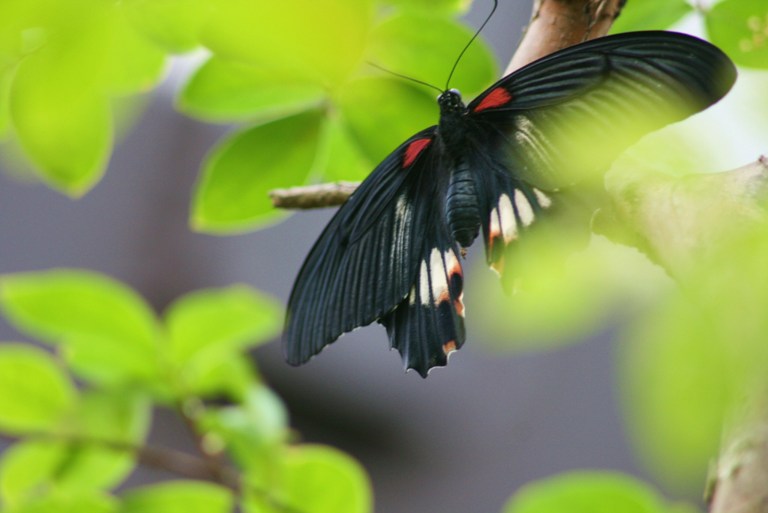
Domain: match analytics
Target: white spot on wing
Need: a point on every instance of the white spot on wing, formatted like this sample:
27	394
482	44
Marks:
424	283
524	209
412	296
544	200
437	273
495	228
508	221
452	264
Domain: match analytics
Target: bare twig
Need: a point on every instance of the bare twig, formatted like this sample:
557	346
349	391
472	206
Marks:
313	196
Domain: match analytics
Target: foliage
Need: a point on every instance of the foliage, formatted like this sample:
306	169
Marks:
64	70
77	444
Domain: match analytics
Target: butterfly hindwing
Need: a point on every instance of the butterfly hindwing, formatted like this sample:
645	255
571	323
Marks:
429	323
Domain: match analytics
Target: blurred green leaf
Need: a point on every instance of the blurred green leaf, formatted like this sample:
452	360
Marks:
134	64
67	502
5	114
409	109
740	29
345	159
324	39
207	327
119	416
107	331
650	15
587	492
689	363
172	24
230	378
178	497
225	90
313	479
555	291
431	6
242	169
76	55
251	432
61	117
87	457
34	392
425	47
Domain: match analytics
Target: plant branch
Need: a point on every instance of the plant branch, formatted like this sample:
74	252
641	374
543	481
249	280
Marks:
162	458
313	196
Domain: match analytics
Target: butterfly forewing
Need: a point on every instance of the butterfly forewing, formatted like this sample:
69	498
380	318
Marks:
368	258
569	115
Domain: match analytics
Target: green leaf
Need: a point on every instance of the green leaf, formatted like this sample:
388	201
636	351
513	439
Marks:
134	64
241	170
63	124
5	97
561	290
676	384
87	457
314	479
34	392
58	106
172	24
440	7
407	110
251	432
178	497
586	492
345	160
285	34
650	15
225	90
66	502
206	328
425	47
107	331
740	29
229	378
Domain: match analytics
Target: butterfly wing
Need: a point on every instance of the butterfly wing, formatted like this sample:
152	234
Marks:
564	118
376	253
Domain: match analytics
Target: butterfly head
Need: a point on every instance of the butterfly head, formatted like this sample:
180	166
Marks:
450	101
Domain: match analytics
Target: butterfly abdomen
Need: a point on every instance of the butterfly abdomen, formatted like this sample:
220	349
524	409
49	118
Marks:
462	209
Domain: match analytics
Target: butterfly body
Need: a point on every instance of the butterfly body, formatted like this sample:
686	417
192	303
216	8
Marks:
392	253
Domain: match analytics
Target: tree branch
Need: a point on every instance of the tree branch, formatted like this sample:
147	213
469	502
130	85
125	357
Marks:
313	196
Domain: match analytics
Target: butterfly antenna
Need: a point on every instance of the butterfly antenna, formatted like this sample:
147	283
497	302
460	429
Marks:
450	75
406	77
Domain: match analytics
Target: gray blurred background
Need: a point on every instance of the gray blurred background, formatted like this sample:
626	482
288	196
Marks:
463	440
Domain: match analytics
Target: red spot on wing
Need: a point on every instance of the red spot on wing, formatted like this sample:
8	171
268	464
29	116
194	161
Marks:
495	98
414	150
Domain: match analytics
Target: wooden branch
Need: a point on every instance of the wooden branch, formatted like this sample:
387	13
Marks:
313	196
671	219
558	24
740	481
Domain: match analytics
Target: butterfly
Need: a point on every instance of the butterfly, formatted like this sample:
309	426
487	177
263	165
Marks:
392	253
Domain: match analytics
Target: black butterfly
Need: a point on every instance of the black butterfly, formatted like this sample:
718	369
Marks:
392	253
